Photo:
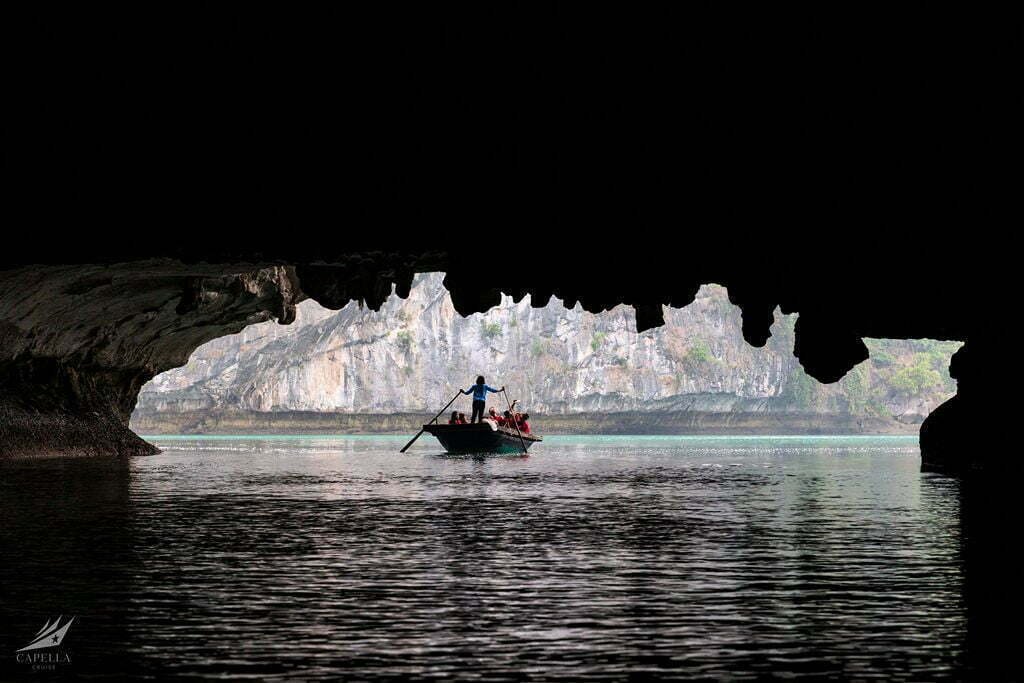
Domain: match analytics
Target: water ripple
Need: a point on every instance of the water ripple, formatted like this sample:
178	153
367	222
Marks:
603	559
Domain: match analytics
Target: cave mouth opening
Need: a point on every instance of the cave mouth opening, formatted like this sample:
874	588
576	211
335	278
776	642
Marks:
355	369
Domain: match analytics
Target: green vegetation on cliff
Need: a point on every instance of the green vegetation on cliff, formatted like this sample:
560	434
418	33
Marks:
897	371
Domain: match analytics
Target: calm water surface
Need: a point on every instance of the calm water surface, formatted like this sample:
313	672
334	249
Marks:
593	557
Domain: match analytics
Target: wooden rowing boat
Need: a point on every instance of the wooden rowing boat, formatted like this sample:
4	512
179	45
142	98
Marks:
482	437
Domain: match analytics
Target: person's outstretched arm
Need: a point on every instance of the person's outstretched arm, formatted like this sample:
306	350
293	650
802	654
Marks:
495	391
468	391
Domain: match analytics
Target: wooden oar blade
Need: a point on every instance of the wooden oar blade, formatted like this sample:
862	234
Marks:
406	446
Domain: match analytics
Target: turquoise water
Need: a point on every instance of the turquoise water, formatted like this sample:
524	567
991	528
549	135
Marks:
824	440
600	557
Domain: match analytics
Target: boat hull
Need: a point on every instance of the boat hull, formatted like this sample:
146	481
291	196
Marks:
485	437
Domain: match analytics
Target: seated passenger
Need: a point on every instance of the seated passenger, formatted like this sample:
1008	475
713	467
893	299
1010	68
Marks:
454	420
462	419
521	421
493	415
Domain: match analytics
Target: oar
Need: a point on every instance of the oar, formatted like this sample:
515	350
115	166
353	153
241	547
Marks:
431	422
513	415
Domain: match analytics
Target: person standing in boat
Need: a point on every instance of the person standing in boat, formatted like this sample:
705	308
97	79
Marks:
479	392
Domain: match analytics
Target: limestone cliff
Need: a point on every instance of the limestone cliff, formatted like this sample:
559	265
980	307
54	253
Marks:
413	354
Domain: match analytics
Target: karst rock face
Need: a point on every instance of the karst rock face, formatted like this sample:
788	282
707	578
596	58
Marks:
410	355
81	335
78	342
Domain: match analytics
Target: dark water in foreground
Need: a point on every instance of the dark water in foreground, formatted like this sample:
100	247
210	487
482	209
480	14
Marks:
594	557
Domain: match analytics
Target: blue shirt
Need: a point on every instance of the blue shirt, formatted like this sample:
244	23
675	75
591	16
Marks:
479	391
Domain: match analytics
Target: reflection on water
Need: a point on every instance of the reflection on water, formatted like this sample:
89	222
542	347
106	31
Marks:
592	557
